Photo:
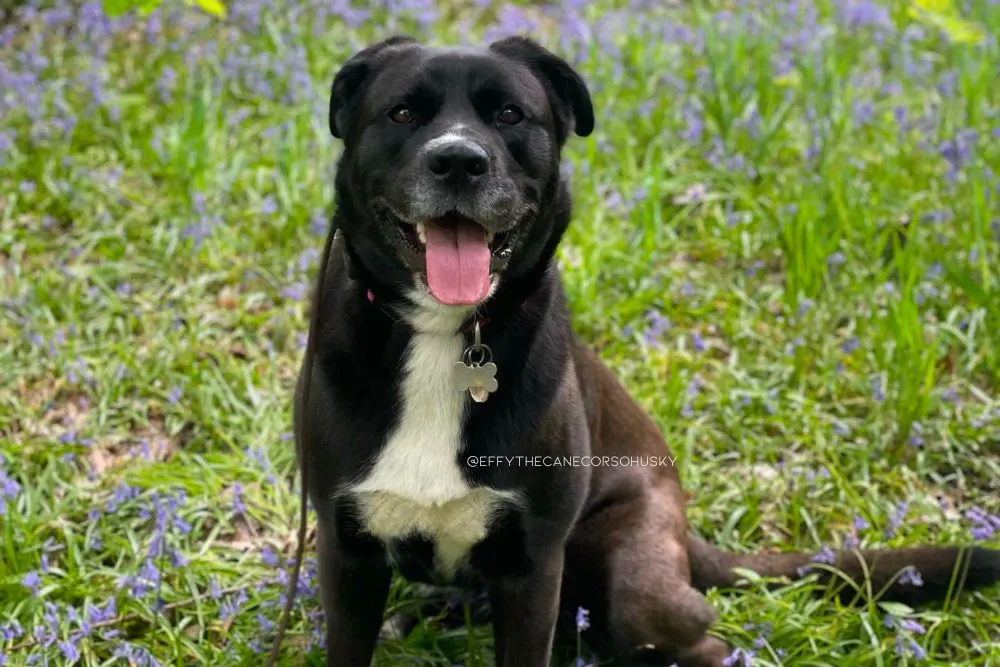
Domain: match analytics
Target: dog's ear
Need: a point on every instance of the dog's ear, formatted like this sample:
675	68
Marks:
572	104
351	79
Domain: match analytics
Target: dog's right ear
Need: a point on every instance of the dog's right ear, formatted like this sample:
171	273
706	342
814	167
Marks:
352	78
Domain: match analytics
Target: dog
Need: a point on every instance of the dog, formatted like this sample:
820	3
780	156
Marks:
447	417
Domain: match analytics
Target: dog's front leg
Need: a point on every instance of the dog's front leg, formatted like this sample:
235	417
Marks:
524	611
354	594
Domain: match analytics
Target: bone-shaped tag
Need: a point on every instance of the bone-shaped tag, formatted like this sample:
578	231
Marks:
479	380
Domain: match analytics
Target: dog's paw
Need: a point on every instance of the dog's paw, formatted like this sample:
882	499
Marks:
397	627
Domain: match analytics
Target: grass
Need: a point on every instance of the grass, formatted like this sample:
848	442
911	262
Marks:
785	243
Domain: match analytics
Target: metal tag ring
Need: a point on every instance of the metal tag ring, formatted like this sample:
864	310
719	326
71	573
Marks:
478	357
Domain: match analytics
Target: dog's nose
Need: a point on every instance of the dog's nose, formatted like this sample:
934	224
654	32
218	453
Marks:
459	162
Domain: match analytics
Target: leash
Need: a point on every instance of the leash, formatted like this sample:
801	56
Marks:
293	581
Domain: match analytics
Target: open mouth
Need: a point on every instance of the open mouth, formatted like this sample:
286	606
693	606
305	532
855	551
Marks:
415	236
458	254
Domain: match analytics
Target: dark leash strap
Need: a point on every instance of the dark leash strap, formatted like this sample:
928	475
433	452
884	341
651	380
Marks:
293	581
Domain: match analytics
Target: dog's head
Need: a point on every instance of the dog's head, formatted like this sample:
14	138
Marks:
449	179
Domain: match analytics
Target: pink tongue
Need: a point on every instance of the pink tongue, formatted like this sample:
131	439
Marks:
458	262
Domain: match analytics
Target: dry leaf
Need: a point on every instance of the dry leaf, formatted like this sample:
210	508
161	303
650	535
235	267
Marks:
227	298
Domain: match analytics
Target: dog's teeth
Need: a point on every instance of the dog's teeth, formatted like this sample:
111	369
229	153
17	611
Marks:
421	233
489	238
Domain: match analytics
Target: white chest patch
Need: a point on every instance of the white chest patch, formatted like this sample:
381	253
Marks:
416	485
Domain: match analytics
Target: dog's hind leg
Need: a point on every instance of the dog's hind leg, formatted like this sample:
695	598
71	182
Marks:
627	564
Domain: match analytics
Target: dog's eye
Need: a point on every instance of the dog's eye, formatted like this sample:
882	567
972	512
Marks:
511	115
402	114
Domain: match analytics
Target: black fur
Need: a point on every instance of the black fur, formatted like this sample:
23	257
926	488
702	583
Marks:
355	389
615	540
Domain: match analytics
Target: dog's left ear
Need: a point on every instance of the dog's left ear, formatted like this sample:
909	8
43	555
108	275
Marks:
352	78
572	104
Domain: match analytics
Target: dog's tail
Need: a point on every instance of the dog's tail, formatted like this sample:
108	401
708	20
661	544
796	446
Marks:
912	576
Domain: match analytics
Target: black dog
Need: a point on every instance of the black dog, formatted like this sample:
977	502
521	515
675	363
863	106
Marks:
448	424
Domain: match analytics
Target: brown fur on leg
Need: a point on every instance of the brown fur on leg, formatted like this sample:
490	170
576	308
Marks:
624	566
651	569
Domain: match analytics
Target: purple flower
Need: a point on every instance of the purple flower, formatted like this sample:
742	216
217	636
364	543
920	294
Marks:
9	488
123	493
896	520
307	257
174	395
878	392
693	195
825	555
69	651
32	581
855	14
231	606
986	525
739	656
167	82
269	206
862	112
238	505
957	151
911	577
265	624
136	655
177	559
11	630
103	614
269	557
694	125
907	644
295	291
614	201
899	115
658	325
582	619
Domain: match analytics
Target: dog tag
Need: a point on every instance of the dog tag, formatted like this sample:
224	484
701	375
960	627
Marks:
476	372
478	379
